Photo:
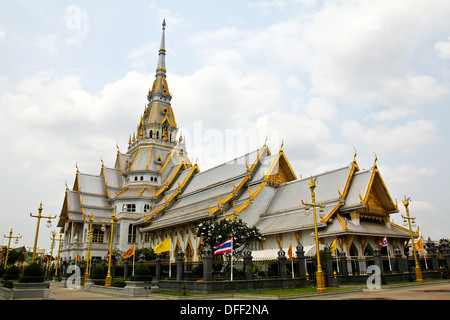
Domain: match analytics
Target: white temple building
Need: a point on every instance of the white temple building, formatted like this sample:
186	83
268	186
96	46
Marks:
156	193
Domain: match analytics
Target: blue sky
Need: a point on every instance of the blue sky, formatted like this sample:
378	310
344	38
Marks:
321	76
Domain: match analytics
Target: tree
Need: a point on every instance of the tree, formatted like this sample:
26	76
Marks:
148	253
214	233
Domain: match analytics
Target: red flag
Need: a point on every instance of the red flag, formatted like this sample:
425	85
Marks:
384	243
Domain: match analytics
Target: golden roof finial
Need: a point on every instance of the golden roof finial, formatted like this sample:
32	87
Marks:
356	153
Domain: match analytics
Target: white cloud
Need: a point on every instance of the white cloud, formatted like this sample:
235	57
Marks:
172	18
139	57
387	138
321	108
220	95
47	44
2	34
411	90
406	178
443	49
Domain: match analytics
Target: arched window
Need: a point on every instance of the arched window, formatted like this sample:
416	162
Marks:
151	133
135	179
151	178
353	250
189	252
368	251
157	134
142	178
177	248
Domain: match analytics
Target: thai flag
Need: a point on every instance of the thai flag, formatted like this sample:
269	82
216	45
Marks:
384	243
224	247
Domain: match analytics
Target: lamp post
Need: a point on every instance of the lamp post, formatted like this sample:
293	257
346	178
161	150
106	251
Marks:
319	274
9	243
51	251
108	277
48	225
90	232
59	250
407	222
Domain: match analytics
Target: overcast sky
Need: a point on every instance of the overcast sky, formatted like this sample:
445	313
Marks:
322	77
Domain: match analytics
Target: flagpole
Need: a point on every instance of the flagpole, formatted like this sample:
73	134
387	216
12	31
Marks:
389	259
134	255
170	260
336	255
292	266
231	258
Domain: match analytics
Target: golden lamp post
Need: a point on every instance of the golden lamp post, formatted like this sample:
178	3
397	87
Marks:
90	232
48	225
319	274
51	252
59	250
9	243
407	222
108	277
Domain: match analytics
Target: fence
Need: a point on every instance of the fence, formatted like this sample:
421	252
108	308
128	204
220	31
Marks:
213	273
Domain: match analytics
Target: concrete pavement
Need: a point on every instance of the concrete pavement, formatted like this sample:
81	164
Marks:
436	290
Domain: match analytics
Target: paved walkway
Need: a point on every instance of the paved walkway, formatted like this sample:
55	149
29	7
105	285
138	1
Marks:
428	291
415	291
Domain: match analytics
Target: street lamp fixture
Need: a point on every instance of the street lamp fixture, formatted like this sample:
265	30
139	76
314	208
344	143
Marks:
59	250
319	274
90	232
410	221
48	225
112	222
9	243
51	248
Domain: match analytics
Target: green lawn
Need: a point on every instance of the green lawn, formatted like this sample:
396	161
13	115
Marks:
274	292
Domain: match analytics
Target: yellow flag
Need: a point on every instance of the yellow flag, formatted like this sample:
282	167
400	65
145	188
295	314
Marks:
290	252
78	257
129	253
333	247
88	255
163	246
419	243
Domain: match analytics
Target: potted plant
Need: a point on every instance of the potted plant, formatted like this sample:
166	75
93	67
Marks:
32	273
31	284
138	282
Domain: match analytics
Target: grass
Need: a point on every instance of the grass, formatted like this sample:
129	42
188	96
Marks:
286	292
268	292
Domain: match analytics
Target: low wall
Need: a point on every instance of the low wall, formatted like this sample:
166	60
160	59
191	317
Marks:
388	277
232	286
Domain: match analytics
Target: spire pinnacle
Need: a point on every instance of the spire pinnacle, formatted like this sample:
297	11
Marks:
161	68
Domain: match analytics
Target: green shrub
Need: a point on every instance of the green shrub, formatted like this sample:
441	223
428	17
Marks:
2	271
118	283
141	273
12	273
32	273
98	272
